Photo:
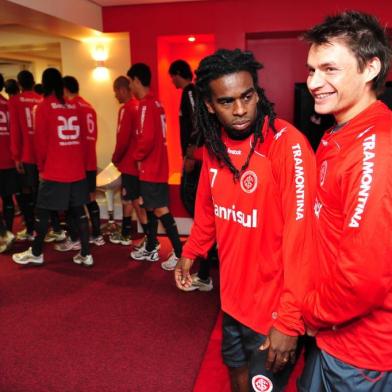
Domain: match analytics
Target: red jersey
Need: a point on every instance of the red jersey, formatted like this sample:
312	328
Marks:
263	225
58	141
21	125
6	161
123	156
89	116
151	148
351	304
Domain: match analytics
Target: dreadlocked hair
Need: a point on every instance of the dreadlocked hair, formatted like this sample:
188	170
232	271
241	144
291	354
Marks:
225	62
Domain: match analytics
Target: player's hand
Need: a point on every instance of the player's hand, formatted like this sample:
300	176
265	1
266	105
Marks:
139	165
182	275
19	167
281	349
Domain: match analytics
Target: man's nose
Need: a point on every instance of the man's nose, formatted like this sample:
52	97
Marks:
239	108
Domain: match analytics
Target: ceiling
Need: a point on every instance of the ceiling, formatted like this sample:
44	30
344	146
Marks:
110	3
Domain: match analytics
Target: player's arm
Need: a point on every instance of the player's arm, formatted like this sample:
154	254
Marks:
123	135
202	235
15	135
295	172
362	276
41	136
294	169
146	132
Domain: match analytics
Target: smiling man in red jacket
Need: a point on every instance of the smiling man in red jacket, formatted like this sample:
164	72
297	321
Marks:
255	199
350	307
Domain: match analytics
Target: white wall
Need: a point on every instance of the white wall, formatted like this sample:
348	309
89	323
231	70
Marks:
77	61
80	12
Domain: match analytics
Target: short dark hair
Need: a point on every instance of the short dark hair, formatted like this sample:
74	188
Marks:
142	72
26	80
363	35
121	81
181	68
11	87
39	89
52	82
71	84
1	81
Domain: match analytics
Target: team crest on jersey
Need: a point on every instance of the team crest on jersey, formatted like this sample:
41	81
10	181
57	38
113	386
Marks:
248	181
262	384
323	172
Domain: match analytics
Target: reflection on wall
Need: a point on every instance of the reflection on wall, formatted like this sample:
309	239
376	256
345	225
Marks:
171	48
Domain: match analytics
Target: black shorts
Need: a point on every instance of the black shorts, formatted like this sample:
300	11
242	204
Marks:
60	196
240	347
29	179
130	188
91	177
9	182
325	373
154	194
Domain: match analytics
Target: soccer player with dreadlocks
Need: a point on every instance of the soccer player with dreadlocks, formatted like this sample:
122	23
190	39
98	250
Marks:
255	198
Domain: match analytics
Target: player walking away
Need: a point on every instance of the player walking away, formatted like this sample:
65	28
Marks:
124	160
8	176
349	308
89	116
191	141
21	108
255	199
152	160
60	160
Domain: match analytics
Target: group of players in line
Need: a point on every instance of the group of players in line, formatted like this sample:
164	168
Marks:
304	242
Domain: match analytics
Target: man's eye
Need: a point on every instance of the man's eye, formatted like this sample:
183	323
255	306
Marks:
248	97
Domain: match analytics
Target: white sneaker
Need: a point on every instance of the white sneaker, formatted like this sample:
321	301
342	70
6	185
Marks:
27	257
170	263
68	245
143	243
118	238
198	284
143	254
55	236
86	260
6	241
23	235
99	241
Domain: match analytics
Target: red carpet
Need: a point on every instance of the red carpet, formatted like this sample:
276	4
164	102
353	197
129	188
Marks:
118	326
213	375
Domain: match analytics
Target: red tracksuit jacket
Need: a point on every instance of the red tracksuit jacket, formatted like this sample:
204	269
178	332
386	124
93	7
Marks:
263	225
151	148
58	141
89	116
6	161
351	304
21	125
123	156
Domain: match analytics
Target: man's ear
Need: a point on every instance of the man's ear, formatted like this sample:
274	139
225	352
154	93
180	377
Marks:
373	68
209	106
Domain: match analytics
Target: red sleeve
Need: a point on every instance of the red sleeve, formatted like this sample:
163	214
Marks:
41	136
145	132
295	171
15	133
202	235
82	116
198	154
124	130
362	276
